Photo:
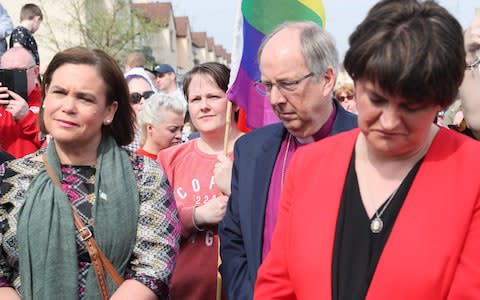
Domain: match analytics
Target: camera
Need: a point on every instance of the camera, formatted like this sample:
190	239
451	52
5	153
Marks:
15	80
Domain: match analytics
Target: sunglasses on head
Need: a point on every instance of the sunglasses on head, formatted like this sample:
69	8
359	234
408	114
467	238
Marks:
137	97
343	98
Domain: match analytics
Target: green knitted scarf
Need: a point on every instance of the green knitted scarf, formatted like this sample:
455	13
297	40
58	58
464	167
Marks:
46	232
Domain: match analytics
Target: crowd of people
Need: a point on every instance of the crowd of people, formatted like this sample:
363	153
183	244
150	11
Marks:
361	191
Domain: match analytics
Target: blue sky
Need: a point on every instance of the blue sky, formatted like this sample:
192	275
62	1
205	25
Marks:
217	17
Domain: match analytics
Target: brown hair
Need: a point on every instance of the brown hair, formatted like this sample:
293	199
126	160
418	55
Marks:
217	71
30	11
135	59
409	48
122	126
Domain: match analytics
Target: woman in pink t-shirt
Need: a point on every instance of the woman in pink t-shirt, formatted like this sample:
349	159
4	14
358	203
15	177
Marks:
190	171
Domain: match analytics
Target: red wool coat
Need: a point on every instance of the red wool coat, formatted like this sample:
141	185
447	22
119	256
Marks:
433	251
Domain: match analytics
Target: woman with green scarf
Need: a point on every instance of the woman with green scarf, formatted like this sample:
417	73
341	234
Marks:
123	198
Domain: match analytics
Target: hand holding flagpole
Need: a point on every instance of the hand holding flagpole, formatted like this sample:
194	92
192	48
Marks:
226	137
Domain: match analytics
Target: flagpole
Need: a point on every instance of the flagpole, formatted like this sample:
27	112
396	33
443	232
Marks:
228	122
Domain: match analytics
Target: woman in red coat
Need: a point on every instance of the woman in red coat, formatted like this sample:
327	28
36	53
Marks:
394	211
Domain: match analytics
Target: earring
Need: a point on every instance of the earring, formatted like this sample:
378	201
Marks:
107	122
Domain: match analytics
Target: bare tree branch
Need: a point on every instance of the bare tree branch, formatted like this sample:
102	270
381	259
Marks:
116	29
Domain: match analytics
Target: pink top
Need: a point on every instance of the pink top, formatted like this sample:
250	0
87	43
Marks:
190	173
281	165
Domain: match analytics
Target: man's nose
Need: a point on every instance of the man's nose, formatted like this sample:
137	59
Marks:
276	96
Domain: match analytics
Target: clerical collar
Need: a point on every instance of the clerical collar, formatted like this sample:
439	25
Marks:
323	132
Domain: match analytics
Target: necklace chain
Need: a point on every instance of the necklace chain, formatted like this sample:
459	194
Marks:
376	225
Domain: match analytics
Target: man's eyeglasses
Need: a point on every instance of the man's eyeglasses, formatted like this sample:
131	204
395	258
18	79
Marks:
343	98
136	97
264	88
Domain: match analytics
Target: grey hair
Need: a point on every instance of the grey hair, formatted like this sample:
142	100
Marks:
152	111
318	46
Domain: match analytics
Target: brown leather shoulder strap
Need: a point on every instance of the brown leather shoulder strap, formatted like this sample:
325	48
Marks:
92	247
98	258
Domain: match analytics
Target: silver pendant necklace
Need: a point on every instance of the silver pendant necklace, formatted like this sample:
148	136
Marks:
376	225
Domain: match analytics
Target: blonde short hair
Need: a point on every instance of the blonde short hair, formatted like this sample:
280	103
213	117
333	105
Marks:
347	88
152	111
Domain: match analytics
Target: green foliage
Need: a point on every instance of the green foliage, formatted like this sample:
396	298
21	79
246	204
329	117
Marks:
110	25
149	58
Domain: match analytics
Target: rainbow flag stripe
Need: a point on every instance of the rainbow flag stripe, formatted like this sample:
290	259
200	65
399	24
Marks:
255	20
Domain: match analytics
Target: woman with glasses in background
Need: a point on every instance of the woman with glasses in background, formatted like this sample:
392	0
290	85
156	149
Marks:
161	121
345	94
141	88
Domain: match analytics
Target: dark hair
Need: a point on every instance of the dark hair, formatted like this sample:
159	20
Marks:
220	73
135	59
409	48
30	11
122	126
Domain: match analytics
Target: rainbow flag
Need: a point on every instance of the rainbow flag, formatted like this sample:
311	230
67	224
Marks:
257	18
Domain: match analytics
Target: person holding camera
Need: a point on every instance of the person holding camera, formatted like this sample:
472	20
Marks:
18	116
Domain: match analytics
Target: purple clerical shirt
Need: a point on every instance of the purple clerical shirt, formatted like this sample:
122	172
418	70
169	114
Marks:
281	165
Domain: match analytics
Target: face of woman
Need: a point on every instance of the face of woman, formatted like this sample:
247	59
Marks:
139	86
392	126
348	102
207	105
168	132
75	106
